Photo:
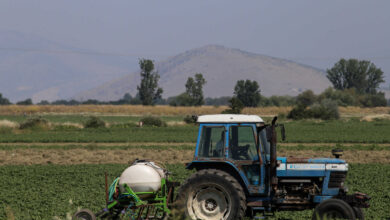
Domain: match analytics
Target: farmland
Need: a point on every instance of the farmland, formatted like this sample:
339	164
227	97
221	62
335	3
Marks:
45	191
50	171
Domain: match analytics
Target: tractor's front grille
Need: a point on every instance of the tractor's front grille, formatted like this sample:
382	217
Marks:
336	179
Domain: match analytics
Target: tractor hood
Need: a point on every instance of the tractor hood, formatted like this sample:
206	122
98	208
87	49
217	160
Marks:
307	167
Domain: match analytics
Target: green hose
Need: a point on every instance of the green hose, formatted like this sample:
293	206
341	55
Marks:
112	189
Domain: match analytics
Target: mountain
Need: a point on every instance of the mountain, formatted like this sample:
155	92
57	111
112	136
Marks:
221	67
37	68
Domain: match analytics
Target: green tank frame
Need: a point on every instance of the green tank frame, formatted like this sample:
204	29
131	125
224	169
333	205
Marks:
129	204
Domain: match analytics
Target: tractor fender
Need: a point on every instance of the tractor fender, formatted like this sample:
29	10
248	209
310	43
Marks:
220	165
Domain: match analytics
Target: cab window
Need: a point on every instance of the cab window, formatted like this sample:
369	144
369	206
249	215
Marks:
242	143
212	142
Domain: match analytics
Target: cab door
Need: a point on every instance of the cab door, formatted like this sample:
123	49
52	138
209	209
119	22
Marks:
212	142
244	154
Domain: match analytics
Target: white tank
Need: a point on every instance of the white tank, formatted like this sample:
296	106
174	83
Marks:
142	177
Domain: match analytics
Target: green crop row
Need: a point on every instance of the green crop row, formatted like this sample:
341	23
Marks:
132	134
341	131
338	131
46	191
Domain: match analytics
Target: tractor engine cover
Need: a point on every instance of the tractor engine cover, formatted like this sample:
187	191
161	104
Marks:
142	177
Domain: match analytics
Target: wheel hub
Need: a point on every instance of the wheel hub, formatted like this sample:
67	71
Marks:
210	204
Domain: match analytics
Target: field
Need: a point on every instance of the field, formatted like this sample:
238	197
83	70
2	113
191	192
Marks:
45	191
48	172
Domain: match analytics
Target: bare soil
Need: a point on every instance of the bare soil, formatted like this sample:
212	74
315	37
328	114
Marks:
83	156
107	144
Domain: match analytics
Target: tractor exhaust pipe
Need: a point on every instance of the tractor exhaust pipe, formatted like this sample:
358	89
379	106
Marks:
274	179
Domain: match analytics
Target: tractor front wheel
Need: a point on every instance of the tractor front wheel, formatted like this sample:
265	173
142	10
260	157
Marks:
333	209
212	194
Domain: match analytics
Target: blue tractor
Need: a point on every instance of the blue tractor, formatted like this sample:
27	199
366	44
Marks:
238	174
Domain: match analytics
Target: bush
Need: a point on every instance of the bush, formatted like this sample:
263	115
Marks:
223	100
181	100
373	100
236	106
342	97
277	101
297	113
189	119
153	121
35	123
326	110
94	122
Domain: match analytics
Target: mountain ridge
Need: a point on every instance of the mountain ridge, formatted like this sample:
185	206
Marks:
34	67
219	65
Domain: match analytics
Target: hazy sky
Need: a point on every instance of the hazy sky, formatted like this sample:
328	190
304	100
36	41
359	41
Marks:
317	33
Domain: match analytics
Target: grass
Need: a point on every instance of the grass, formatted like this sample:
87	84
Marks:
45	191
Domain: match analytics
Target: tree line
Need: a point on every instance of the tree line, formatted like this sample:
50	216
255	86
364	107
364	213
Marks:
355	83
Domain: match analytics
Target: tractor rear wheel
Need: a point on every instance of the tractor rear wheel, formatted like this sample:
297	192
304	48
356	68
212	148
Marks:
333	209
84	214
212	194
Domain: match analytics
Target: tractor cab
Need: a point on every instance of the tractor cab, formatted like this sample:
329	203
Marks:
239	141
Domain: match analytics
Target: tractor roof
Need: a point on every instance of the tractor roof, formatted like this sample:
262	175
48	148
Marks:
229	118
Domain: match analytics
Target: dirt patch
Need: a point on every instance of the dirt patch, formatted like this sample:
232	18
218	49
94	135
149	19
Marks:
376	117
331	144
8	124
83	156
105	144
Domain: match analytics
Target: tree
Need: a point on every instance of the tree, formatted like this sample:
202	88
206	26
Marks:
125	100
306	98
44	102
3	100
362	75
148	90
25	102
194	89
248	92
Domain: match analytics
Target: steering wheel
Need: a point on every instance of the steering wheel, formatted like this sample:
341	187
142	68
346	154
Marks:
241	151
